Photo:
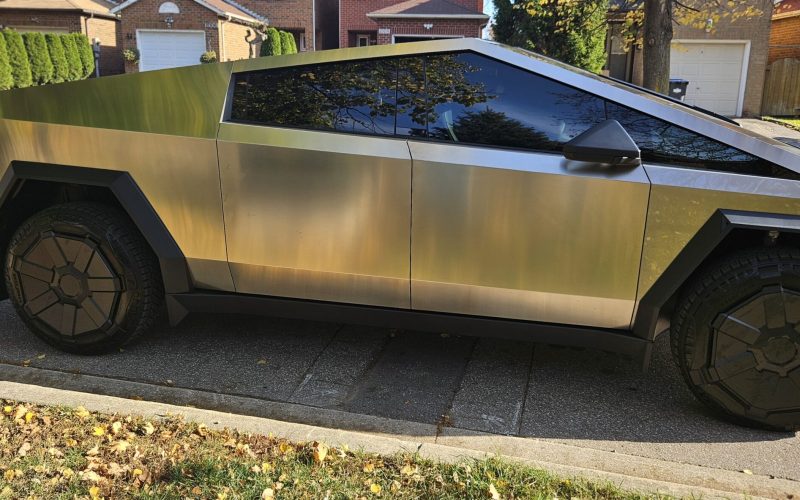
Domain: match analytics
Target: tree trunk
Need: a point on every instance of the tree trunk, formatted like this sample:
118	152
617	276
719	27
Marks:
657	38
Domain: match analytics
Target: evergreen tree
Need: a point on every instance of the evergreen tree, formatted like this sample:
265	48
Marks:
74	64
6	78
85	52
287	43
59	58
39	57
271	46
18	59
572	31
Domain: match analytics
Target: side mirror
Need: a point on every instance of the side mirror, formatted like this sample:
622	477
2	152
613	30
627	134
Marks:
606	142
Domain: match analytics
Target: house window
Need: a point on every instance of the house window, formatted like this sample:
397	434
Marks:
168	8
362	41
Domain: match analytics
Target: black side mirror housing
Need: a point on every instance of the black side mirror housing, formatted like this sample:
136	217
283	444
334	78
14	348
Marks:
607	142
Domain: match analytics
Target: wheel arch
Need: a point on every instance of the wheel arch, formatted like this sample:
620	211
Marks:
48	183
723	232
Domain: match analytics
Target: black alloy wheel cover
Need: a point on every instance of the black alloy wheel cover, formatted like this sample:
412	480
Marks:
71	285
753	354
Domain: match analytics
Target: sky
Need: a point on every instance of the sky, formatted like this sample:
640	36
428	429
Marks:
488	9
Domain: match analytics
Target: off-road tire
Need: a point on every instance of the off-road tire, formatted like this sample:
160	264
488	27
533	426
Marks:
734	336
82	278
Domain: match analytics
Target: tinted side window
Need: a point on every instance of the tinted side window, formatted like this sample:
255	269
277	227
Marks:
476	100
663	142
355	96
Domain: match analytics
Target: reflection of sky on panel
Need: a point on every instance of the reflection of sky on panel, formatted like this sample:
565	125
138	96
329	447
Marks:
545	106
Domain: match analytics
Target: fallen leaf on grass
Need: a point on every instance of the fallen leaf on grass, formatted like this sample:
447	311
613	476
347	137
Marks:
120	446
81	412
320	452
493	492
94	492
98	431
375	488
267	494
24	449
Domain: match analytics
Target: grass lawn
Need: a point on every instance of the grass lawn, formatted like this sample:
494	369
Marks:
789	122
57	452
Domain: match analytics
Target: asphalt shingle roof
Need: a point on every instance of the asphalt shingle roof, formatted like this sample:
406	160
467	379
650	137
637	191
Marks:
424	8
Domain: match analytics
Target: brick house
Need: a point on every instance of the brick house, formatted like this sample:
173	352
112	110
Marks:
172	33
370	22
93	18
725	63
784	39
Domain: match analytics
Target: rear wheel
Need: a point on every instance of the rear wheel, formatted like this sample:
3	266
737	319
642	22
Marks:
83	278
735	336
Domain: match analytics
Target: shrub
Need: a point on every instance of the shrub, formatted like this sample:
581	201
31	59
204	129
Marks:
18	59
208	57
56	50
73	58
85	52
271	46
6	79
287	43
131	55
39	57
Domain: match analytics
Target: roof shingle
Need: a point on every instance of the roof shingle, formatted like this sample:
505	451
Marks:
427	8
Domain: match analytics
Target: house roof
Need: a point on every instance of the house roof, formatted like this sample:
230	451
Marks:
101	7
427	9
786	8
227	8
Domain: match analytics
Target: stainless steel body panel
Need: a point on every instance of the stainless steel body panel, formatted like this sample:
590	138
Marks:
317	215
179	176
682	200
525	235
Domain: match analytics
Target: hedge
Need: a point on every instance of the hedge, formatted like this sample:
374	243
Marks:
18	59
6	78
74	63
288	45
85	52
39	57
271	46
59	58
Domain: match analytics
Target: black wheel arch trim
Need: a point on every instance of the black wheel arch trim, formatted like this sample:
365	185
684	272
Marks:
174	270
703	243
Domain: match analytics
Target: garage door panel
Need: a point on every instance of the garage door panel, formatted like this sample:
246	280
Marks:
170	49
714	72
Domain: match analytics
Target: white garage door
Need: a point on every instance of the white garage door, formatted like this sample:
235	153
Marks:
169	49
714	72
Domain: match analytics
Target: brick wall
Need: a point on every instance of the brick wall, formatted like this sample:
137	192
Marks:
110	36
755	29
237	40
447	27
288	15
353	17
784	40
144	15
107	30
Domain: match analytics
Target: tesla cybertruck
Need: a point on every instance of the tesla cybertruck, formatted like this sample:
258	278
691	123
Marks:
453	185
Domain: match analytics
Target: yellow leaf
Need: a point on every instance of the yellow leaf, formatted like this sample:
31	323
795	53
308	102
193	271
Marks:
81	412
29	416
267	494
748	472
98	431
375	488
41	356
266	467
222	496
70	442
90	475
8	409
320	452
94	492
21	411
407	470
9	475
93	452
493	492
67	473
369	467
116	427
137	472
7	492
285	447
197	490
120	446
148	428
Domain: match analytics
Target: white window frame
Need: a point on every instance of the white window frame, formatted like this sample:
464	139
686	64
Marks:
139	49
362	36
745	63
172	6
424	35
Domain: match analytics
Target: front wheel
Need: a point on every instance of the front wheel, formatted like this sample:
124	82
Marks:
83	278
735	336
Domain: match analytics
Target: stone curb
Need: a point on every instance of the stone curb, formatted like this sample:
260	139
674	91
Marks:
382	435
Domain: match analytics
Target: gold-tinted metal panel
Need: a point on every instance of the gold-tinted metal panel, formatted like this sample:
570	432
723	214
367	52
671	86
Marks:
178	175
524	235
182	101
682	200
317	215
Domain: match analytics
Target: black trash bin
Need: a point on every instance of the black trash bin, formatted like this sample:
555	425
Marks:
677	88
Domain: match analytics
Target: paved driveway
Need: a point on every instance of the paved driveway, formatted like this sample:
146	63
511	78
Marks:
774	130
579	397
